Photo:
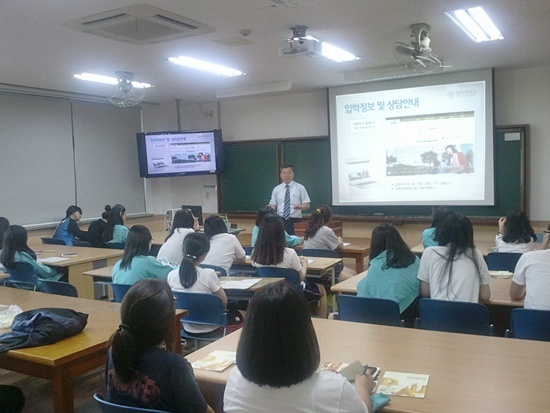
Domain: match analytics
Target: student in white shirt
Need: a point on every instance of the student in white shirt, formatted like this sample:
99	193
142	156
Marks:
277	360
225	249
532	280
515	233
183	224
455	270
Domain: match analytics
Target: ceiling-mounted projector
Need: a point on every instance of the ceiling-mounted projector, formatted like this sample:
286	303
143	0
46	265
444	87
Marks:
300	47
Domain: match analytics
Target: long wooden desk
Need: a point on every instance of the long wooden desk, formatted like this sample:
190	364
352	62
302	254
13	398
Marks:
467	373
485	247
105	274
500	290
87	259
357	248
63	361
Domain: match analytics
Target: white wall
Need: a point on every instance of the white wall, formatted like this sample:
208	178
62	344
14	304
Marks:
521	97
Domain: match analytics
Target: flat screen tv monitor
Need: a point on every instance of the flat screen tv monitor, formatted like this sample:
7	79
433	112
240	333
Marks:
415	141
180	153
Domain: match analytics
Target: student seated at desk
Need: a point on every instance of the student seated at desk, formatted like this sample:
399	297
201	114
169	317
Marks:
393	270
318	235
515	233
191	277
455	270
277	360
271	251
97	228
225	249
15	249
429	235
143	368
68	230
115	231
183	224
136	263
291	240
532	280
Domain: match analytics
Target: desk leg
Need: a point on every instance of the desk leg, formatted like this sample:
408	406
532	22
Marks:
63	399
359	264
83	283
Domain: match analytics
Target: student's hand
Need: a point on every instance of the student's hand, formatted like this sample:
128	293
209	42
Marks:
196	226
501	225
298	206
365	382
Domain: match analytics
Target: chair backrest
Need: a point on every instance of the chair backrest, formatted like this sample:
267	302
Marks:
55	241
313	252
108	407
540	238
116	245
248	250
530	324
368	310
206	309
59	288
21	274
119	291
79	243
290	275
221	271
454	317
502	261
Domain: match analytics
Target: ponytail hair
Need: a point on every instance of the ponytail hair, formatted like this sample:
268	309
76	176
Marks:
194	247
318	219
139	331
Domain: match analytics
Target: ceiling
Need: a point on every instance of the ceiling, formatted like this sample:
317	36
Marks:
38	51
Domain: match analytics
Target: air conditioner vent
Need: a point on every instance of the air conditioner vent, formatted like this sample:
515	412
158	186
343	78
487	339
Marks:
139	24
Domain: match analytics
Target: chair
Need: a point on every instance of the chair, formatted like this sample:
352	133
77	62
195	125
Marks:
54	241
59	288
502	261
529	324
368	310
204	309
79	243
119	291
540	238
108	407
312	252
454	317
290	275
116	245
248	250
21	276
221	271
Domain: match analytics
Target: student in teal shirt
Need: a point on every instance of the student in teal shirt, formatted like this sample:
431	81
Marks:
291	240
16	250
393	269
136	263
115	231
428	235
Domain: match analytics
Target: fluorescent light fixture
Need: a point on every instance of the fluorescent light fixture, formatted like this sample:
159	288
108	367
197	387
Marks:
476	23
254	89
206	66
109	80
335	53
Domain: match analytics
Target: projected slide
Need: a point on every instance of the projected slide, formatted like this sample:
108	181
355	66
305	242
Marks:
423	145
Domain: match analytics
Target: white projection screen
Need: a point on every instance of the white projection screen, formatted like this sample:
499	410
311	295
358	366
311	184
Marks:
423	140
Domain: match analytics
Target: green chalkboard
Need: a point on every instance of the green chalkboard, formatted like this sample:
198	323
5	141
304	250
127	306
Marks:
252	172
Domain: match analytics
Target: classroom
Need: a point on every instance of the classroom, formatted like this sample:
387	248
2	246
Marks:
62	142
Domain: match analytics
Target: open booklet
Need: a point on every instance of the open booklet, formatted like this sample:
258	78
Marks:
403	384
349	371
218	360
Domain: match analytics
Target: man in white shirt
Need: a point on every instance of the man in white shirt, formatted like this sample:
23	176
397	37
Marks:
289	199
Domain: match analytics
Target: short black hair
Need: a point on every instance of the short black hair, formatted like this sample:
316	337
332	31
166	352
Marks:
71	210
286	165
278	345
214	225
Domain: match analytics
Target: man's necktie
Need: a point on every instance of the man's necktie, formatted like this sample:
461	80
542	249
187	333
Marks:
286	211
